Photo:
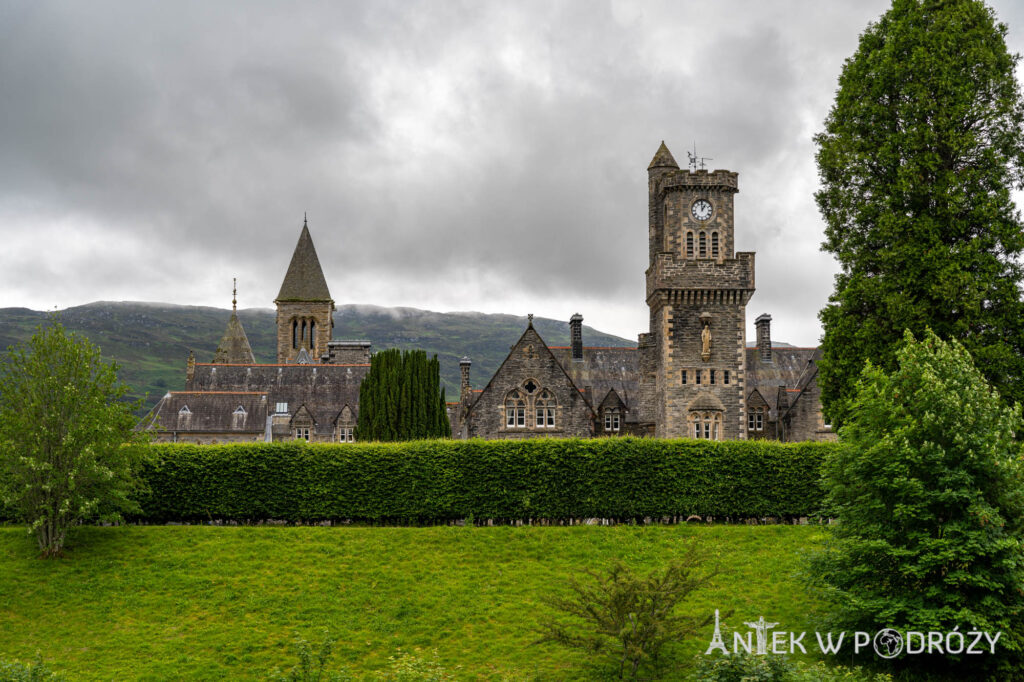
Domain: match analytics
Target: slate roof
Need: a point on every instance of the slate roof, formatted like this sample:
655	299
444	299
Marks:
234	346
792	369
323	389
304	280
210	412
604	369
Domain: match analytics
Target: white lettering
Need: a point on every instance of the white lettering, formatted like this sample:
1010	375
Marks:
779	640
737	639
795	642
829	648
935	642
911	636
860	640
960	639
977	638
992	642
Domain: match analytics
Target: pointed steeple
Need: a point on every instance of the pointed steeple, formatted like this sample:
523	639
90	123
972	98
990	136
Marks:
663	159
234	347
304	280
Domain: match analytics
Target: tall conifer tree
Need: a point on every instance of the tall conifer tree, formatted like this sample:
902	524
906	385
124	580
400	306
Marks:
401	398
919	154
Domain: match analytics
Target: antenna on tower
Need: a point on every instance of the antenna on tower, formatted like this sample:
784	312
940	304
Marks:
697	161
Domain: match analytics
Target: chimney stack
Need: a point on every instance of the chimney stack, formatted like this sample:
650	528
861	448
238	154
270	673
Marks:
576	334
464	365
763	323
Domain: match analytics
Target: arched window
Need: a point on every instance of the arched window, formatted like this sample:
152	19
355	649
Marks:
706	425
515	410
184	417
238	418
295	334
544	410
312	333
703	245
303	337
714	245
689	244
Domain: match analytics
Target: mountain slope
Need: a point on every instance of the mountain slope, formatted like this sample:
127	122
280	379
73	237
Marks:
150	341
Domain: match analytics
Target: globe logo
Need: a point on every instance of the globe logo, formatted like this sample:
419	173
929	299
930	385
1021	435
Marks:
888	643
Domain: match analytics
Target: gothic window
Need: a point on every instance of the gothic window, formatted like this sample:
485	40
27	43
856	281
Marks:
184	417
295	334
703	245
684	376
714	245
312	333
544	410
611	420
725	376
755	419
515	410
530	386
303	337
689	244
238	418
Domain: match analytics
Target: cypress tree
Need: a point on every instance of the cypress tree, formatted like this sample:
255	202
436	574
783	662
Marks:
919	154
401	398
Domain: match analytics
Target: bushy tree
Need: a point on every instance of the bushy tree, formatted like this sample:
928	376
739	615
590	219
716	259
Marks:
919	154
929	495
68	451
401	398
628	617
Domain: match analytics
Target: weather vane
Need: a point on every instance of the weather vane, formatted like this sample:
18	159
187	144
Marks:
697	161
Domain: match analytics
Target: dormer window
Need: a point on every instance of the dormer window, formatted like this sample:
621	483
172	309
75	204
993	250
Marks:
611	420
184	417
238	417
281	408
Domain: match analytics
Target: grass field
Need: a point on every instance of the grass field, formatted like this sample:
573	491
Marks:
225	602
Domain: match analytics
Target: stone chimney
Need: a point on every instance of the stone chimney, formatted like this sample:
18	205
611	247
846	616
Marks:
464	365
763	323
576	334
190	371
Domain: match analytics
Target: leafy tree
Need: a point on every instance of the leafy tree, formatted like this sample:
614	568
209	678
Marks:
68	451
929	494
401	398
628	617
919	154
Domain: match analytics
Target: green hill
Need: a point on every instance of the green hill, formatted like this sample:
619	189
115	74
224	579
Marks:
151	341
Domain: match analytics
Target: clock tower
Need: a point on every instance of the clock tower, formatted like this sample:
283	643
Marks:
693	361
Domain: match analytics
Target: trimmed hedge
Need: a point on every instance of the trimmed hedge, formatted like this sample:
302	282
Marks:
444	480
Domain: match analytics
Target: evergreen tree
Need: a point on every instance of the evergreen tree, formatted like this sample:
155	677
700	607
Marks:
929	496
401	398
919	154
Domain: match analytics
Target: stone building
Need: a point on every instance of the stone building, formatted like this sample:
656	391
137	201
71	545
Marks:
310	393
692	374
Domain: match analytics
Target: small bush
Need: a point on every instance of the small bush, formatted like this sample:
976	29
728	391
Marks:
15	671
627	617
312	666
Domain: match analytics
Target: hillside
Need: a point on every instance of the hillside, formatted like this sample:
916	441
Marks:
151	341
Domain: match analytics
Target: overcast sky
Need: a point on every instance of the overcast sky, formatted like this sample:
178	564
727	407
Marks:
469	155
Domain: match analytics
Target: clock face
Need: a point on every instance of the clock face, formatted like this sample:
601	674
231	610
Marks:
701	209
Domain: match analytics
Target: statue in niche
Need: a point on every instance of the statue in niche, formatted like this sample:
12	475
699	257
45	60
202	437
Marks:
705	338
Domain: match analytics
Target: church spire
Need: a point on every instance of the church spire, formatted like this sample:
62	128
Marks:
304	280
234	346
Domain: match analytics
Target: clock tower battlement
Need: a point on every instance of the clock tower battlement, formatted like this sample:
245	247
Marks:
697	291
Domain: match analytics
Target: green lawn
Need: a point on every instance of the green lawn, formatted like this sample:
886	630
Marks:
225	602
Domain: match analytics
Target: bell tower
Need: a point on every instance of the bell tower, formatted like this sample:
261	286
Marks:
304	306
697	292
